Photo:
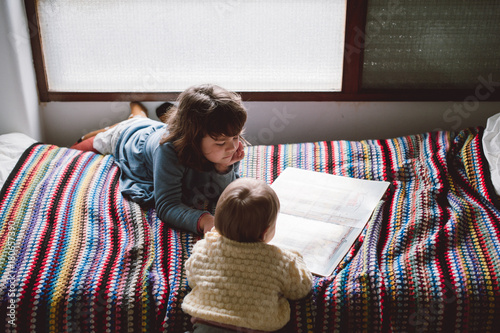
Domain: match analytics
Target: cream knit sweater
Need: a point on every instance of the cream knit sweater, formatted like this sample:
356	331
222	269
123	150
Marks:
244	284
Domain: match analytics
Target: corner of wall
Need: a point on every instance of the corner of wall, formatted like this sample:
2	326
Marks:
20	112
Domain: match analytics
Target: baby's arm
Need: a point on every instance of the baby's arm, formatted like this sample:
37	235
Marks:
298	278
195	260
190	276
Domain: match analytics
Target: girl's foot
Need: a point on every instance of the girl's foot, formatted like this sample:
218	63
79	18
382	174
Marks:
163	111
138	110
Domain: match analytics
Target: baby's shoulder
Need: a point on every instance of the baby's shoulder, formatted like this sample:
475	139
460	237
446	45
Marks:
286	254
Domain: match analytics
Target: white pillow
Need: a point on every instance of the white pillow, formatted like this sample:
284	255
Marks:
12	146
491	147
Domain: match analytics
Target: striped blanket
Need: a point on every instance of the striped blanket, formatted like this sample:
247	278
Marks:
77	256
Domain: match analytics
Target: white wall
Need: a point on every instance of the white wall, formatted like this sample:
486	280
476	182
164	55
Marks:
268	123
19	110
275	122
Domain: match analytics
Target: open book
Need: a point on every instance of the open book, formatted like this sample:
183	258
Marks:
322	215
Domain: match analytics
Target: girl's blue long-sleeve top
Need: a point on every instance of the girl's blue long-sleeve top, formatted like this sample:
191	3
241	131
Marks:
151	173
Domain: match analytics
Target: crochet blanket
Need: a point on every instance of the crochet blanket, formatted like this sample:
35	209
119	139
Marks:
75	255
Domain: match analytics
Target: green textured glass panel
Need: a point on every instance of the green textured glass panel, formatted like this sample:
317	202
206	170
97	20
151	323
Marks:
422	44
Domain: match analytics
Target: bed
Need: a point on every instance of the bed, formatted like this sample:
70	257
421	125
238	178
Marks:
77	256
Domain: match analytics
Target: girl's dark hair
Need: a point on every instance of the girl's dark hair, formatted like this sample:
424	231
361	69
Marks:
203	110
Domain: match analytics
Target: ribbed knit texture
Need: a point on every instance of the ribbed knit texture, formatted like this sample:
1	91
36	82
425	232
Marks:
244	284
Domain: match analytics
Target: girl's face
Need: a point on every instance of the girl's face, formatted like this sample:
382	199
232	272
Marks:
219	150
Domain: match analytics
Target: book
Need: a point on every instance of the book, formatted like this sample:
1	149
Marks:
321	215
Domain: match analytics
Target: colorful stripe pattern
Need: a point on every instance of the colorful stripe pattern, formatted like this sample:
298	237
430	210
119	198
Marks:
77	256
429	259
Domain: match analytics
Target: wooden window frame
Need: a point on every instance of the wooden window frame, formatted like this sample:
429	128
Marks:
351	81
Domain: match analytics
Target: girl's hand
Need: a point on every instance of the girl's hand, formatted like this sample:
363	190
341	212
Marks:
237	156
206	223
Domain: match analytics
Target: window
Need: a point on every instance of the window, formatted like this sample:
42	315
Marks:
265	49
424	44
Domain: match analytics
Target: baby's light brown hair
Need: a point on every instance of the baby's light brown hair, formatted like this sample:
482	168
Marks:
245	210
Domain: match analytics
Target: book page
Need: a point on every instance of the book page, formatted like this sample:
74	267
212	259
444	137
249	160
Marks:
328	198
321	215
322	245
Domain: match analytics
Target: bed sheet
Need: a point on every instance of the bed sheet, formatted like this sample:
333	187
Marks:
12	146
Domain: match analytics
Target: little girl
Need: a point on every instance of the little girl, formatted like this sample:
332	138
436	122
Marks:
182	166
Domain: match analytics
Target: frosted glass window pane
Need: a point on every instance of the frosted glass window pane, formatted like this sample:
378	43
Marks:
161	45
431	44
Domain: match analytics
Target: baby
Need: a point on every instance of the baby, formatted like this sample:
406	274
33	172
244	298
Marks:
239	282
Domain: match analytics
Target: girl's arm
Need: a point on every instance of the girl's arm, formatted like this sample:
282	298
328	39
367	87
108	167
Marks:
205	223
202	189
167	176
